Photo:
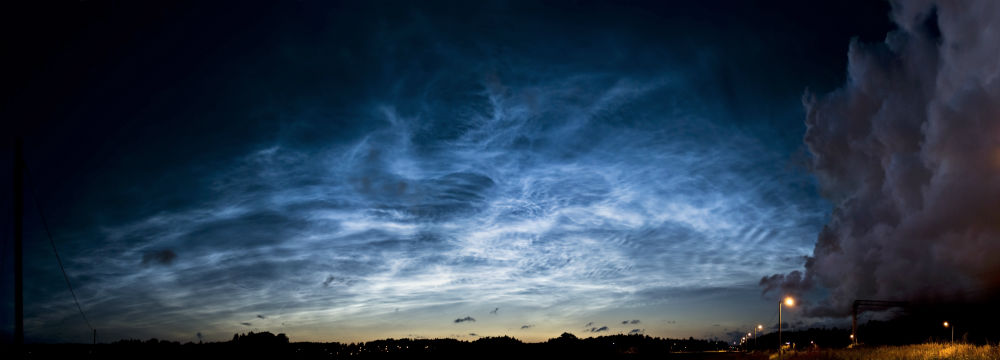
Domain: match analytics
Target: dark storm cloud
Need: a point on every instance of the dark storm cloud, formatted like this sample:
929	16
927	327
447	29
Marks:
792	283
467	318
908	153
159	257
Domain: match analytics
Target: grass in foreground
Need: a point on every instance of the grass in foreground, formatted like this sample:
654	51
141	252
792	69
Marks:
907	352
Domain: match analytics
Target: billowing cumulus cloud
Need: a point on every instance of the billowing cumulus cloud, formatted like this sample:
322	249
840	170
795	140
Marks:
908	152
791	283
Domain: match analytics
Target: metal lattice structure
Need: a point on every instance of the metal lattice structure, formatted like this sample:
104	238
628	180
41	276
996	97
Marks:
870	305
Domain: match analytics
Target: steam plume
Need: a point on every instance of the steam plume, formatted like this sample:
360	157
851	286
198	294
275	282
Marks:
908	151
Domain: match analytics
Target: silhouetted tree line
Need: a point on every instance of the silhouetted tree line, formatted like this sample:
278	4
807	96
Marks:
260	339
265	345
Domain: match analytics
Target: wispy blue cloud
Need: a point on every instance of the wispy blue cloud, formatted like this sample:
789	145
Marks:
581	192
506	180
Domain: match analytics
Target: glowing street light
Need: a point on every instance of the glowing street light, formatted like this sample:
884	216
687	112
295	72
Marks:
788	302
759	327
946	325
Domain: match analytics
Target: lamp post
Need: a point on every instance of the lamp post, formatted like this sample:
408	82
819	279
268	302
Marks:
788	302
947	325
759	327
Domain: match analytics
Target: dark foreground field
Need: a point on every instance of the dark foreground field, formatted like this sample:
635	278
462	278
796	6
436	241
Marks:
269	346
907	352
90	352
320	351
78	352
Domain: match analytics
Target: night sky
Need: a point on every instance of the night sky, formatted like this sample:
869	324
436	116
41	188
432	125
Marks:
345	171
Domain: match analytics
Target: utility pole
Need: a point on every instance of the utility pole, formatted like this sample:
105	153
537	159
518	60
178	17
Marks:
755	345
779	330
18	245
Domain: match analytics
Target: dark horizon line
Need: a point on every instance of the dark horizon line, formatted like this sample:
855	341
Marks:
690	338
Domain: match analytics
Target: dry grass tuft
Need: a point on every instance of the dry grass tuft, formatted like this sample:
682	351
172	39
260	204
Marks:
908	352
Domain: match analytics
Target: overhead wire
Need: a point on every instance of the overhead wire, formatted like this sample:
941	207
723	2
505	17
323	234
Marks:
7	237
3	252
45	225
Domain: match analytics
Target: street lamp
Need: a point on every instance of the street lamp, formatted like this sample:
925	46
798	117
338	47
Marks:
788	302
759	327
946	325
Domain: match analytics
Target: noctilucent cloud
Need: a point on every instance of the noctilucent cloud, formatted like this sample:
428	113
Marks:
345	172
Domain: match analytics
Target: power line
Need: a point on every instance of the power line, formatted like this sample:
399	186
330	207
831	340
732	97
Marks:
45	224
7	236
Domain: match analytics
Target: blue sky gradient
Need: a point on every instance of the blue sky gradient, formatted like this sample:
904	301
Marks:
351	172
